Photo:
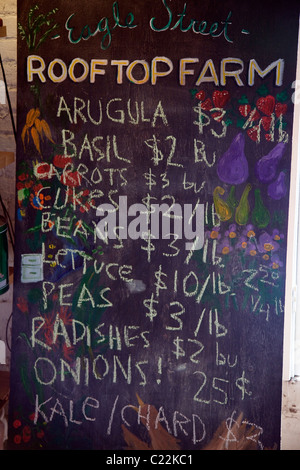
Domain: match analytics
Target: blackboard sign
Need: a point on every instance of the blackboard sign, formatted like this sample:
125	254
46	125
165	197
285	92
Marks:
153	174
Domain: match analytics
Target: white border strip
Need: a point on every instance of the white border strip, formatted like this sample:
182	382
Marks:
292	241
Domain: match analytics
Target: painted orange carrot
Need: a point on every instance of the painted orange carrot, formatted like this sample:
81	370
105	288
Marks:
35	128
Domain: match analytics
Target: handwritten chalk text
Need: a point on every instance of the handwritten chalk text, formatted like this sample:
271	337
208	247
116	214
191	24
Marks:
103	27
140	72
196	26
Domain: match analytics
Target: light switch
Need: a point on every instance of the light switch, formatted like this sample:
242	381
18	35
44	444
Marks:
2	353
2	92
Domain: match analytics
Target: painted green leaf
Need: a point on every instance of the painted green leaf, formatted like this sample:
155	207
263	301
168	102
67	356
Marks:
222	208
260	214
243	209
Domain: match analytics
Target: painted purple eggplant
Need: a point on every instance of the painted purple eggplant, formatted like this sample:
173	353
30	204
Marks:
232	167
266	167
278	189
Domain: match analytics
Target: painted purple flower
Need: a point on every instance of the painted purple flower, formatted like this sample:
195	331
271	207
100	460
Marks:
267	244
249	231
224	246
231	232
276	263
251	249
213	234
242	242
276	235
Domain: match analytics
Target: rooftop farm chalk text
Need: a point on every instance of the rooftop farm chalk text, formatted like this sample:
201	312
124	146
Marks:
141	71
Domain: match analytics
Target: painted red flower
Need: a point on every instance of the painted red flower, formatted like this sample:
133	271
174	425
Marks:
280	109
22	305
28	184
220	98
266	122
26	434
48	328
43	171
245	109
37	188
23	177
207	105
40	434
85	207
17	439
65	315
60	161
68	352
17	423
253	133
71	179
200	95
266	104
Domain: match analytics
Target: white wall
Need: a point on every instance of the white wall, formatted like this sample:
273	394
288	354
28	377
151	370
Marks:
290	423
8	51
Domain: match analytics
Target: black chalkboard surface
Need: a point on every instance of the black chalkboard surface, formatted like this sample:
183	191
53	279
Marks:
153	174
